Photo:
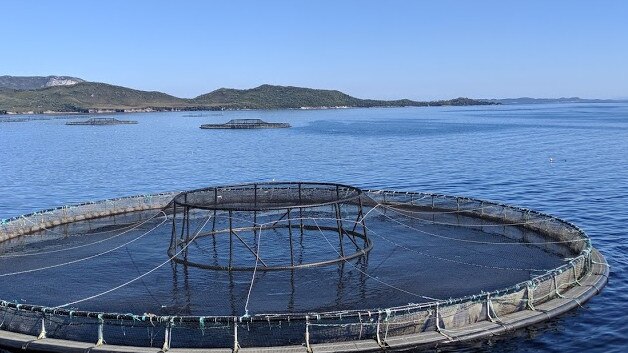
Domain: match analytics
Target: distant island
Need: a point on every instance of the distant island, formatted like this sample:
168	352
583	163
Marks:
528	100
65	94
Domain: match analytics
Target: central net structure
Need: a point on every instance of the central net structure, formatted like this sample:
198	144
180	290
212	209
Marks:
291	212
280	264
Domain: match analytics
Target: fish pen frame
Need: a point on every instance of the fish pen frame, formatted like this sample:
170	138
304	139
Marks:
431	324
289	203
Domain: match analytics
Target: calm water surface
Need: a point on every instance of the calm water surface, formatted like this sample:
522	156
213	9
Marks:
567	160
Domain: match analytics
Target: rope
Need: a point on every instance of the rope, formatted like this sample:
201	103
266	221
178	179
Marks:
477	241
530	287
490	309
143	283
377	336
308	348
438	328
101	336
248	296
371	231
138	277
137	225
84	258
455	261
403	212
366	274
28	219
42	333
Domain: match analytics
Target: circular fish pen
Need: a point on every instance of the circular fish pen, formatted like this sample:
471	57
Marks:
295	266
246	124
102	122
293	212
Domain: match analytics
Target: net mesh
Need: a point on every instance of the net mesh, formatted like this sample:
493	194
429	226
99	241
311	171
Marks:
510	258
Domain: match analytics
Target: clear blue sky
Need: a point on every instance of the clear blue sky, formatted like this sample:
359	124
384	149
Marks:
370	49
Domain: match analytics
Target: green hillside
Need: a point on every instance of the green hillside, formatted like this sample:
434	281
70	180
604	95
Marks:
282	97
275	97
94	97
84	96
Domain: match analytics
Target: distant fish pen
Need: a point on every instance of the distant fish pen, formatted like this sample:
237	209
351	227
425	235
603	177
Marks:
21	119
290	266
200	115
246	124
101	121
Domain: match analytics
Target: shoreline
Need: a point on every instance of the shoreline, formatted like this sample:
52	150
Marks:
168	110
5	114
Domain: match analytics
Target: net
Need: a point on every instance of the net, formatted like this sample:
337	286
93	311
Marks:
276	264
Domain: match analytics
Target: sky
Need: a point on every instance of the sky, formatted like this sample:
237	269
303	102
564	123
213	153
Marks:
420	50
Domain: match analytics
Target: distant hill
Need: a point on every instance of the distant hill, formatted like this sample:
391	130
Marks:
101	97
528	100
288	97
35	82
273	97
85	97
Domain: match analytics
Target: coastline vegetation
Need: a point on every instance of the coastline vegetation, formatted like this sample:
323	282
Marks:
94	97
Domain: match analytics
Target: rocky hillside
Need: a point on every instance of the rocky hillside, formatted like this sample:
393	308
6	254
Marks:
36	82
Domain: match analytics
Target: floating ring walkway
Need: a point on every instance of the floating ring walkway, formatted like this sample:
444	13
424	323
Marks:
337	225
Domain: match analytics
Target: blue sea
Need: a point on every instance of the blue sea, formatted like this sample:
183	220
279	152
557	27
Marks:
569	160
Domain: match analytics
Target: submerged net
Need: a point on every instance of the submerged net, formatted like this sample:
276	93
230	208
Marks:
276	264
